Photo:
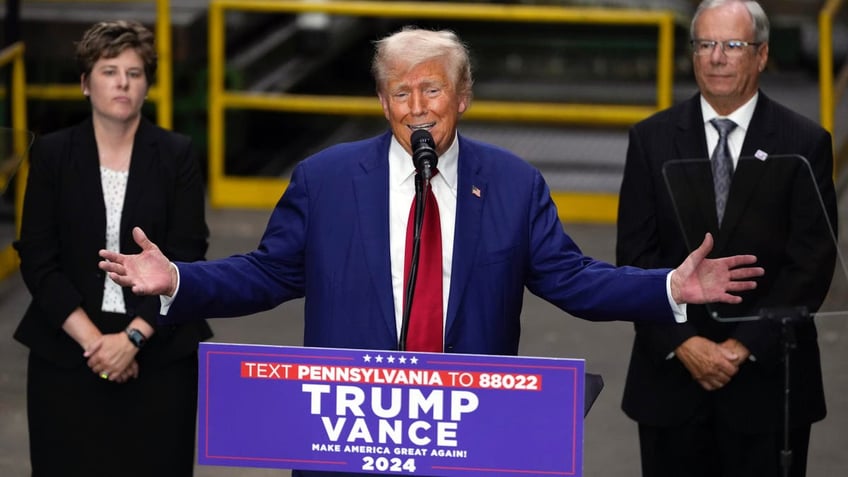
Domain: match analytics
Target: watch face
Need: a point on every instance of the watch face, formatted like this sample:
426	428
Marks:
136	337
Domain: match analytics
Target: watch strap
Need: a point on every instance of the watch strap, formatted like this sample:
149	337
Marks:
136	337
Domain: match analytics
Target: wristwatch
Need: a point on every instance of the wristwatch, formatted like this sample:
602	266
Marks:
136	337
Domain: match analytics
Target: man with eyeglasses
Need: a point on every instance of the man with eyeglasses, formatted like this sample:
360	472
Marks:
708	395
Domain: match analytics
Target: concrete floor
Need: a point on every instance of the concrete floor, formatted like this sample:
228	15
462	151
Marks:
611	447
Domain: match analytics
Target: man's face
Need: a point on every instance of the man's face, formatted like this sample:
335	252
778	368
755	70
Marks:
727	82
423	97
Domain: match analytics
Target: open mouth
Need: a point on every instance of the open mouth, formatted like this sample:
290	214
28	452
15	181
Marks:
416	127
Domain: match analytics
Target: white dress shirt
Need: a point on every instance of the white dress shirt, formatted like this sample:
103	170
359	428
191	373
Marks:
401	193
742	118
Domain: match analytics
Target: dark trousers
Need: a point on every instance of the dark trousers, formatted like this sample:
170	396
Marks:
83	426
703	449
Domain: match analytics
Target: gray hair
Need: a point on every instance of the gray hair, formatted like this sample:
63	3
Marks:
759	20
412	46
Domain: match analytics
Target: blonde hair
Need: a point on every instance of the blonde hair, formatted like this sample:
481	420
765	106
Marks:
412	46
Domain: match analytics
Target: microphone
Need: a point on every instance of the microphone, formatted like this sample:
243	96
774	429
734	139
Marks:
424	153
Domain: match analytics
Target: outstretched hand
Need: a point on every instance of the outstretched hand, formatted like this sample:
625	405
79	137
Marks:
147	273
713	280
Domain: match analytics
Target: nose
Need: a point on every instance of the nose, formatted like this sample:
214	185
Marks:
123	80
717	55
418	103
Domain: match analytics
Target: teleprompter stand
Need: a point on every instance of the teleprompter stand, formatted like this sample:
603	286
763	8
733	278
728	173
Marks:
787	318
783	210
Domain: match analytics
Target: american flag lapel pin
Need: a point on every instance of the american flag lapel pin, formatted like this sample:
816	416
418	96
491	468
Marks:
475	191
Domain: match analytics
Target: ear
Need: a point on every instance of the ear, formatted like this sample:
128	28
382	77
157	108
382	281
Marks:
384	103
84	85
762	57
463	104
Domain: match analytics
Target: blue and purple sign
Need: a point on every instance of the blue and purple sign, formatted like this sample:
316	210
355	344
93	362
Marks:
389	412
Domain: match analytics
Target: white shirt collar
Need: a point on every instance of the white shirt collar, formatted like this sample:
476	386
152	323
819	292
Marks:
401	168
742	116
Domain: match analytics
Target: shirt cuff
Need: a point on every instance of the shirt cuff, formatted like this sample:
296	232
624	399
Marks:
679	310
165	300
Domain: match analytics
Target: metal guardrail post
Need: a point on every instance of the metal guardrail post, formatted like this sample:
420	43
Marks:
829	96
14	54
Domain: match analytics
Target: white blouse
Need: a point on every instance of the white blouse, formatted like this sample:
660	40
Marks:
114	190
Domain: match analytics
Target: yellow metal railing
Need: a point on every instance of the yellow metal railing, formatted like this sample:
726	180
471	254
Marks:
14	55
830	91
229	191
161	93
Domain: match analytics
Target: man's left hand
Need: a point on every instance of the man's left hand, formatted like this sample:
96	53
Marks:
706	280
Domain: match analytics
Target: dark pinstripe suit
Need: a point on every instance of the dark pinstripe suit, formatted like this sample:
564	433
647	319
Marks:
766	215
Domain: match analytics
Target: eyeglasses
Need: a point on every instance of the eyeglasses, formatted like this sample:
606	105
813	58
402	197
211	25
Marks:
731	48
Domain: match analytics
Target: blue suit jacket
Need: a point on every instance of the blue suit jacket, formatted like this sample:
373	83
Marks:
328	240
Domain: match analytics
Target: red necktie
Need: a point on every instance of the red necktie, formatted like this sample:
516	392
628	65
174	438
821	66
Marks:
425	317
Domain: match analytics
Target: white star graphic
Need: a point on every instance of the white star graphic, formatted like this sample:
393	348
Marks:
367	358
379	358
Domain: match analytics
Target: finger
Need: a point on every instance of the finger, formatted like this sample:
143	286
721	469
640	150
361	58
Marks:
746	272
95	364
704	249
113	266
120	279
728	298
725	371
728	353
740	286
739	260
109	255
141	239
93	348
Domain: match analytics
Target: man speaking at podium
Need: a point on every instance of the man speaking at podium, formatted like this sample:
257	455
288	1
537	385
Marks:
339	236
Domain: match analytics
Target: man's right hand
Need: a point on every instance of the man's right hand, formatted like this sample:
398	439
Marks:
147	273
709	363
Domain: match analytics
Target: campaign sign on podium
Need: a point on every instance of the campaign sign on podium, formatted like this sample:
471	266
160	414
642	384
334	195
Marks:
388	412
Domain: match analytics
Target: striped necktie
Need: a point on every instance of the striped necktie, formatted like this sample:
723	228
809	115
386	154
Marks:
722	164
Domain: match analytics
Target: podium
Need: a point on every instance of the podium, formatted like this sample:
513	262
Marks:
391	412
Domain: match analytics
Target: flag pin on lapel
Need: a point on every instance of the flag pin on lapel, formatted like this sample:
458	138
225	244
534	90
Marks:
475	191
761	155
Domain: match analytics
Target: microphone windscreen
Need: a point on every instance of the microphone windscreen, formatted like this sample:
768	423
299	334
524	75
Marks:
423	149
422	138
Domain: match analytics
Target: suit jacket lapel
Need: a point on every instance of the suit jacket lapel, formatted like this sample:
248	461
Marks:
86	161
372	200
748	172
145	155
691	145
468	225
